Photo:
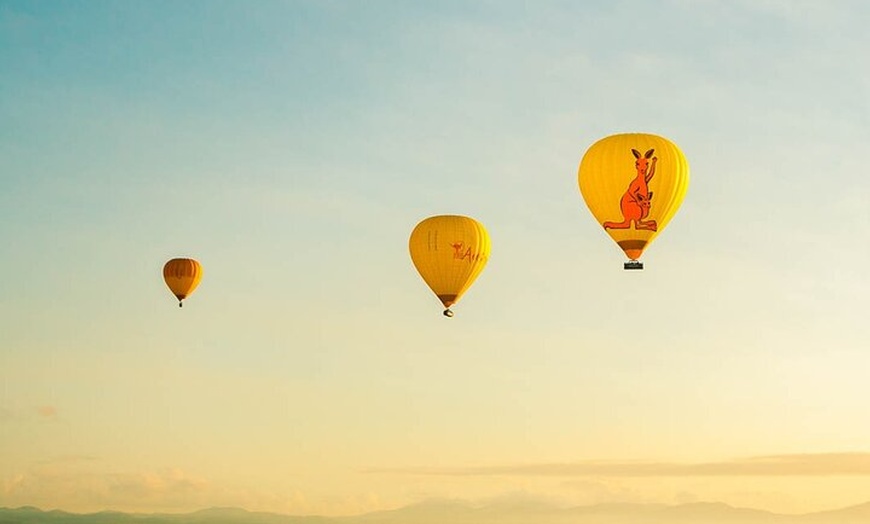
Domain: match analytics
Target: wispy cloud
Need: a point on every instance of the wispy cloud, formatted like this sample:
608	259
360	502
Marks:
67	459
67	479
47	411
81	483
807	464
30	413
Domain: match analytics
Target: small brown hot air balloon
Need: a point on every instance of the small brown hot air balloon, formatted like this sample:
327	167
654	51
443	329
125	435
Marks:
182	275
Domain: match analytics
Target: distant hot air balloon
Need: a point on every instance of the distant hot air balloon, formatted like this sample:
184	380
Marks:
633	184
182	275
449	252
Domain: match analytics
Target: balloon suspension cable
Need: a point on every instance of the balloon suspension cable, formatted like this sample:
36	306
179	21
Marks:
448	313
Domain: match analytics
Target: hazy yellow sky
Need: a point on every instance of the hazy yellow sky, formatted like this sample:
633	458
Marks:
291	147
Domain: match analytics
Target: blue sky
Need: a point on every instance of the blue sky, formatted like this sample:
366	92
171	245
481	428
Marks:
292	147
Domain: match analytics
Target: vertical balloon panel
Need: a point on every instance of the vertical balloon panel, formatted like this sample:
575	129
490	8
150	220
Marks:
449	252
633	185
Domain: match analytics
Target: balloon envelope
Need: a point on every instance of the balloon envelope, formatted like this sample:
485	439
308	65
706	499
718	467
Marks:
182	275
449	252
633	184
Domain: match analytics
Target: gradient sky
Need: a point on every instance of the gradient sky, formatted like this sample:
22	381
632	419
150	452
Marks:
292	146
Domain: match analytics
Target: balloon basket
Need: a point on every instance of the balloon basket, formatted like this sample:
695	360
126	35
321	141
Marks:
633	264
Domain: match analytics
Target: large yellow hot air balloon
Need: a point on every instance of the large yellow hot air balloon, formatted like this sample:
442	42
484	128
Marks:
182	275
449	252
633	184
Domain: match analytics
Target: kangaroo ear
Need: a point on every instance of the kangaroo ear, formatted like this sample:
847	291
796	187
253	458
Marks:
636	153
649	153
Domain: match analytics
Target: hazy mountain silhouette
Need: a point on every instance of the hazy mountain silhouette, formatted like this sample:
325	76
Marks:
851	515
30	515
506	511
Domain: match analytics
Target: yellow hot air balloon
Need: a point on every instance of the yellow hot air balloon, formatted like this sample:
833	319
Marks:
449	252
633	184
182	275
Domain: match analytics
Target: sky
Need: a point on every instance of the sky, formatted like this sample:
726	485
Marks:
291	147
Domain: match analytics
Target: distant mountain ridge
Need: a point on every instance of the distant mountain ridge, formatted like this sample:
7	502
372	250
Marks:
460	512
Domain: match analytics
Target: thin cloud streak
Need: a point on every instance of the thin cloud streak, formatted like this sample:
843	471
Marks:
67	460
814	465
47	411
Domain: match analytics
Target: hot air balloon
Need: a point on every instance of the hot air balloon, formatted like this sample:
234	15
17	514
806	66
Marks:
449	252
633	184
182	275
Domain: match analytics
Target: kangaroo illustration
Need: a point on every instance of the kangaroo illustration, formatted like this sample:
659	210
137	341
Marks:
635	202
